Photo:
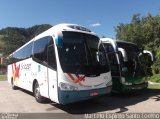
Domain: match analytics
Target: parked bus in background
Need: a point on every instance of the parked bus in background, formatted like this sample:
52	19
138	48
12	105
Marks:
66	64
130	66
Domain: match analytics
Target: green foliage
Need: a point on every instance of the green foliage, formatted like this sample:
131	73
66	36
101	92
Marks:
12	38
3	77
144	31
154	86
1	43
2	66
155	78
156	65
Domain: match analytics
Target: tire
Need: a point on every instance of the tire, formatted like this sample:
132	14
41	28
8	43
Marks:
13	86
37	95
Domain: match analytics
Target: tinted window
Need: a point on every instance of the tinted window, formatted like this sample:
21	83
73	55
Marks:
129	47
25	52
81	54
108	47
22	54
51	59
40	49
44	52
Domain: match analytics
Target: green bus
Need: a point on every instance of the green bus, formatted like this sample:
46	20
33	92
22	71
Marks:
130	65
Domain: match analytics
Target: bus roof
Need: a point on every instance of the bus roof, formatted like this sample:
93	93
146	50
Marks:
115	41
57	28
64	27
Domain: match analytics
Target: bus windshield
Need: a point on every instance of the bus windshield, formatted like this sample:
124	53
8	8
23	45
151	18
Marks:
82	54
115	69
135	64
129	47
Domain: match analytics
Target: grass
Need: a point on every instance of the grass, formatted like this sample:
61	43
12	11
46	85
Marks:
155	78
154	86
3	77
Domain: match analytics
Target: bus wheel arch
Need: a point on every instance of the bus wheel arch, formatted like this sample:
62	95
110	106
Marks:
33	86
36	92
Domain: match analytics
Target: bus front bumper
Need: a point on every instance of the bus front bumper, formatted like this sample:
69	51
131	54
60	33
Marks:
119	87
135	86
66	97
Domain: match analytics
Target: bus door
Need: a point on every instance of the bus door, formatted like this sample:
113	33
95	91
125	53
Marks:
52	72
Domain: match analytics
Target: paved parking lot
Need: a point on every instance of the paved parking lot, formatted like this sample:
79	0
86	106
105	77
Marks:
20	101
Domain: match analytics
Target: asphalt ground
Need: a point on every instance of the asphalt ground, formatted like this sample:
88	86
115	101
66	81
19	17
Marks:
23	103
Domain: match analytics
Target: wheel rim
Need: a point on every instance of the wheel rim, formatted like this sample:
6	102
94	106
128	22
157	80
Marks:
37	92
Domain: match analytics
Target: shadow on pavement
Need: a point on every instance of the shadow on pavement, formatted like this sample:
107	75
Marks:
106	102
109	102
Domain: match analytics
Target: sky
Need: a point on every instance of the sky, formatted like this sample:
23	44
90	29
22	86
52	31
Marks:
100	16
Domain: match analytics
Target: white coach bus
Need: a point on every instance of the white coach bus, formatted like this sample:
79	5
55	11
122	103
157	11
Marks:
66	64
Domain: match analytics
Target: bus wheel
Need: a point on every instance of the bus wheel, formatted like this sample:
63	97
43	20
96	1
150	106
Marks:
13	86
37	94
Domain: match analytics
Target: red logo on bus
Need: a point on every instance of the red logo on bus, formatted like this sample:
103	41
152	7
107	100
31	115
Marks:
15	71
77	78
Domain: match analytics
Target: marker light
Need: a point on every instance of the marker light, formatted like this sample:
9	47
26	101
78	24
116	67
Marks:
79	28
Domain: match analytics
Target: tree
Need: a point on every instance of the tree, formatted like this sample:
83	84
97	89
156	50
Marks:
12	38
144	31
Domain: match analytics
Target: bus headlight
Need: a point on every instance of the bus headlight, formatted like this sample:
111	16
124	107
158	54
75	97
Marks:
128	84
123	80
65	86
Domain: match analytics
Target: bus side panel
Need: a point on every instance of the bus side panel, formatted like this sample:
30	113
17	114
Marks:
25	74
53	89
40	75
20	73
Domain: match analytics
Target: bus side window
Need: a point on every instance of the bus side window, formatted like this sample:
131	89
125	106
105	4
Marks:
51	58
40	49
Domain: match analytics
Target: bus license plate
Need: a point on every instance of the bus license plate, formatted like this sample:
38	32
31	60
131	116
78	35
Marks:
93	94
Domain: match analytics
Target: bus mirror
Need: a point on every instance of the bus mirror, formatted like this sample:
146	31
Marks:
97	56
100	58
122	54
141	49
148	57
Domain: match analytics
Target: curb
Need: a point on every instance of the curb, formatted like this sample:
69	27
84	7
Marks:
153	83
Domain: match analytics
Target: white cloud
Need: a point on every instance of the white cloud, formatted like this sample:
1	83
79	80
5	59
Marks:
95	24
